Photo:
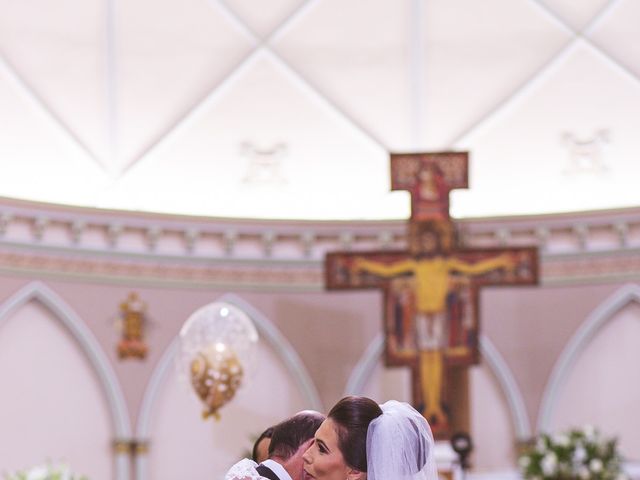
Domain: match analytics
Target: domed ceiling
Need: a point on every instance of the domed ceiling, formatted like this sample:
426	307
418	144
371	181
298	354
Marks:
288	108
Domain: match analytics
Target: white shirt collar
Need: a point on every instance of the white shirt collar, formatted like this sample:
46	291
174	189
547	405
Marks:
277	469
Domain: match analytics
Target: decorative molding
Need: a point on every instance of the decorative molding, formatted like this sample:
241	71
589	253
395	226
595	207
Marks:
39	225
613	229
126	246
114	230
91	348
497	365
77	228
262	274
264	165
191	236
153	235
268	239
280	346
585	155
5	219
622	229
308	238
583	336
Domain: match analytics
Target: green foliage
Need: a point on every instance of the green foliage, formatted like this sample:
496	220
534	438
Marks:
579	454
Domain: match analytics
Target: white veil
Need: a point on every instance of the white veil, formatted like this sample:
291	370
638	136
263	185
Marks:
400	445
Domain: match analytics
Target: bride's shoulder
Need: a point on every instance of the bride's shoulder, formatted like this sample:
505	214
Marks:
243	470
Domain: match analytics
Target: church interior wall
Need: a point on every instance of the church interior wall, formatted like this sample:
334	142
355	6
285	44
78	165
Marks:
600	386
53	405
529	327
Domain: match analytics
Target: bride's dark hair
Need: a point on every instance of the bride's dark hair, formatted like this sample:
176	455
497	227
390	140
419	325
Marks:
352	416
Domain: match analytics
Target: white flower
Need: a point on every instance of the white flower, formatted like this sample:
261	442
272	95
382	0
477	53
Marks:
583	473
562	440
596	465
44	472
589	432
576	444
579	454
38	473
549	464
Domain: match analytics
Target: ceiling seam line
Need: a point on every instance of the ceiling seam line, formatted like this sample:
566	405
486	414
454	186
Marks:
112	91
232	17
515	94
493	112
301	80
291	19
319	95
583	34
296	75
47	111
170	131
175	128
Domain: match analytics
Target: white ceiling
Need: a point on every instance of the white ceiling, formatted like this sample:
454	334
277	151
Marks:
288	108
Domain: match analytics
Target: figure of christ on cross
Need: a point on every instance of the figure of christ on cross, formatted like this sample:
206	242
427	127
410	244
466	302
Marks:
432	270
444	282
441	334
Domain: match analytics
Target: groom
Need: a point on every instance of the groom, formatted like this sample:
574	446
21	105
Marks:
290	439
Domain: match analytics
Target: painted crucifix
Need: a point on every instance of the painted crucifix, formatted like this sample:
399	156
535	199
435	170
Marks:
431	291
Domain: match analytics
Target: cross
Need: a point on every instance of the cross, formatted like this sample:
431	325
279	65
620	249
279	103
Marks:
431	290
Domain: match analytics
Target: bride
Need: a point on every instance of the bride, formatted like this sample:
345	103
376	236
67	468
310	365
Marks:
361	440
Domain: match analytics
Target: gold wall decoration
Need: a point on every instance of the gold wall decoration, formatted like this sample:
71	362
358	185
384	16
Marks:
132	321
131	446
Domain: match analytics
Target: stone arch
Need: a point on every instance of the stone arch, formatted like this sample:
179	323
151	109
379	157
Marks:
38	291
593	323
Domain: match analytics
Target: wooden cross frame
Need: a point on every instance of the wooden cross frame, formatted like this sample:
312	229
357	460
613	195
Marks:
431	291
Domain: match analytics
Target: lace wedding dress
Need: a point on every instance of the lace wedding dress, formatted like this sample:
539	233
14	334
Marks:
243	470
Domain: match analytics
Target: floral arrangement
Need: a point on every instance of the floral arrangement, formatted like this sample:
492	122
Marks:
579	454
45	472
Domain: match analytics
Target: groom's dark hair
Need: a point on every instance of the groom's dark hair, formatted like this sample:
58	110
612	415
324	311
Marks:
291	433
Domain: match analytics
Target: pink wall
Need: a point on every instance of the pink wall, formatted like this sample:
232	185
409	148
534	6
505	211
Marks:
330	332
53	407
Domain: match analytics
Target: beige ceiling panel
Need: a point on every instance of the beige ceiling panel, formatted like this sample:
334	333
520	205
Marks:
357	53
170	56
60	56
38	160
268	148
619	34
476	55
569	144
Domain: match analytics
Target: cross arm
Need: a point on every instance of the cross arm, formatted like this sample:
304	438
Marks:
498	266
361	270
